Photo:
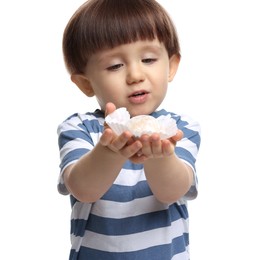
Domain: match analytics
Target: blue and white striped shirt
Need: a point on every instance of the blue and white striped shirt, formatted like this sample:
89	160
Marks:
128	222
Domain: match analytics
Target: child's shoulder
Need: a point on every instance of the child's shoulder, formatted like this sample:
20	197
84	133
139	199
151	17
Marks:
176	116
182	119
78	120
88	116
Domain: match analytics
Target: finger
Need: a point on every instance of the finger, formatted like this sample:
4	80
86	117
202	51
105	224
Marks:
156	145
167	147
109	108
131	150
121	141
106	137
177	137
146	148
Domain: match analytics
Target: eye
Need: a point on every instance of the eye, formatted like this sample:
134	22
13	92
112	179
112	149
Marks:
149	60
114	67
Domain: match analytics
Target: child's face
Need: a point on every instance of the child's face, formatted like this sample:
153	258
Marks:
132	75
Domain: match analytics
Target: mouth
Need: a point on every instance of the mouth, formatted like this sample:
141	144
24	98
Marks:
138	97
138	93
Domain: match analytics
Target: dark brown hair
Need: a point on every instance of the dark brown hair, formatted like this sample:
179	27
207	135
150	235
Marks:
102	24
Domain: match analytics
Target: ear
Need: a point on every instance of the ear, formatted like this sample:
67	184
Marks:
83	84
174	63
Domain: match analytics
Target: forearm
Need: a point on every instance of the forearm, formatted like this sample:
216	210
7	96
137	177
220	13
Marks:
169	177
93	174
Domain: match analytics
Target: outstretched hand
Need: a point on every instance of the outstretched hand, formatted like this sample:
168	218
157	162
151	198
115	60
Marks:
154	147
141	149
123	144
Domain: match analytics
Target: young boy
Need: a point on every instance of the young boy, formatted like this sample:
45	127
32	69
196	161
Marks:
128	195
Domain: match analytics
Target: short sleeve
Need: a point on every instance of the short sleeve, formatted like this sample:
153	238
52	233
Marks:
187	148
76	137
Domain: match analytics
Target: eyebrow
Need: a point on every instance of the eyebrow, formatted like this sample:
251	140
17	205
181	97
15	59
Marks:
155	48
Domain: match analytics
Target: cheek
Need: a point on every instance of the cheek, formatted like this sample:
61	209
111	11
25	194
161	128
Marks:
161	81
111	85
162	85
161	75
109	94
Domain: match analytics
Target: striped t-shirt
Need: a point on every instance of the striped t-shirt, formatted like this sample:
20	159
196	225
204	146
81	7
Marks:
128	222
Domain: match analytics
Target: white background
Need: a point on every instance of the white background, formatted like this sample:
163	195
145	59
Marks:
213	85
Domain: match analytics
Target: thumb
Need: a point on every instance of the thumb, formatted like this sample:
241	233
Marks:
179	135
109	108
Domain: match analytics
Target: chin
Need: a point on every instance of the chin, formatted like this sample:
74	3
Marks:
136	112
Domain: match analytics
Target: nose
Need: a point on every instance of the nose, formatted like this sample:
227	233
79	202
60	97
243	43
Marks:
135	74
